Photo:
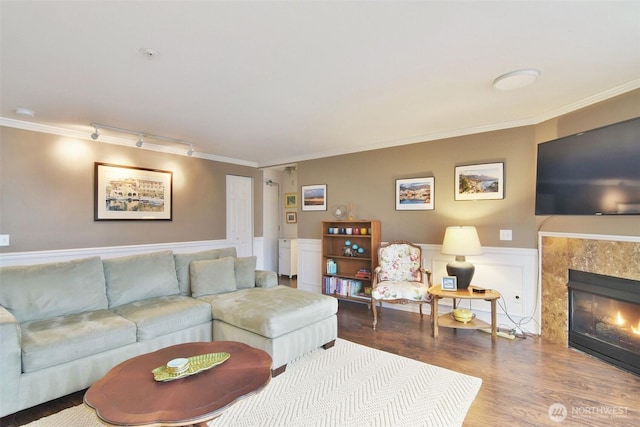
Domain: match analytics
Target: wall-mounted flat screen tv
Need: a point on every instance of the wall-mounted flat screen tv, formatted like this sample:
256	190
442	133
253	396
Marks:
596	172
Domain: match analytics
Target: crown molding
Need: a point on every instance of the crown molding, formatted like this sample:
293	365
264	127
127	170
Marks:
107	139
566	109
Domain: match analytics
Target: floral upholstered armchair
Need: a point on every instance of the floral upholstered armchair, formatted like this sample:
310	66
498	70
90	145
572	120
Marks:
399	277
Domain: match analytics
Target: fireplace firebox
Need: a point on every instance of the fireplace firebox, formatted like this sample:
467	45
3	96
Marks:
604	318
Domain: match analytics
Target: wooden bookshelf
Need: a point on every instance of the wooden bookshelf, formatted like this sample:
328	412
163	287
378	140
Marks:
350	280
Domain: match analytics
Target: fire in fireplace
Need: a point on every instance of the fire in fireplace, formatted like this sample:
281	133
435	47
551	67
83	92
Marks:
604	318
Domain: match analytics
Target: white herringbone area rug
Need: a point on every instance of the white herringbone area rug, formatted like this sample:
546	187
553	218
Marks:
347	385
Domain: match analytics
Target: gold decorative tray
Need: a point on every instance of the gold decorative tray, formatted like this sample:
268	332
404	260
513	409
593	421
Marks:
196	364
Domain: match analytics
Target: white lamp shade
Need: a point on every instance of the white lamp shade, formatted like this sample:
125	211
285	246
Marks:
461	241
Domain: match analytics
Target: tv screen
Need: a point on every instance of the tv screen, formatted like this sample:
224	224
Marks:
591	173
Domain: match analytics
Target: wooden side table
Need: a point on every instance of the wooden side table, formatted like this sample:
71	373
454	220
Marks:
128	394
447	321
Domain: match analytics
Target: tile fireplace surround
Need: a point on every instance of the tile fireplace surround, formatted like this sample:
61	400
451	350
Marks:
592	254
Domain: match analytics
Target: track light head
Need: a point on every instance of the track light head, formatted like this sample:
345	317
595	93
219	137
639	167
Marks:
140	142
95	135
190	150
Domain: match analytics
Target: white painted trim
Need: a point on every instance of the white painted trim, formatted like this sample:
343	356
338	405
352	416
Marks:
38	257
614	238
514	270
107	139
565	109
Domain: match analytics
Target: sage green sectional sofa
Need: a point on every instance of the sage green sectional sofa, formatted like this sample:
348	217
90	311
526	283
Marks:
64	325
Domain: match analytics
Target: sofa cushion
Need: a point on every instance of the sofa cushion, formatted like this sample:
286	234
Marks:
271	312
212	276
163	315
54	341
245	271
140	277
183	261
35	292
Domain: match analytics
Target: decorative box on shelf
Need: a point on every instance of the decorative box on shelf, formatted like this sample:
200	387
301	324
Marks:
349	256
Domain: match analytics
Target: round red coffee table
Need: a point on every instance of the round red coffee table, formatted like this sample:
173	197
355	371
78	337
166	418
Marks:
129	395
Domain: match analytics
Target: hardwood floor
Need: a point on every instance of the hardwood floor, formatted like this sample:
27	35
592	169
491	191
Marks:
521	378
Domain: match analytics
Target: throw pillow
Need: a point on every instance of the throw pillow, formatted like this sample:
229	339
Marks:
183	261
245	272
212	276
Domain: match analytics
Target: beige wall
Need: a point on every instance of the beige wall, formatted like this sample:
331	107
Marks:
46	194
368	181
46	188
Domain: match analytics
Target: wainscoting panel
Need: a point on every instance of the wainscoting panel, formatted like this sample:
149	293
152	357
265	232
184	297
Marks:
309	265
510	271
38	257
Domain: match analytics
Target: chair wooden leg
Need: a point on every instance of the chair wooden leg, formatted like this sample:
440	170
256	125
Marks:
421	311
374	303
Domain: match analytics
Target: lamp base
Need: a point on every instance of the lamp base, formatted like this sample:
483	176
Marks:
463	270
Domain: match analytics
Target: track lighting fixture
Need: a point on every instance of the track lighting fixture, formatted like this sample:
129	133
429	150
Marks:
142	136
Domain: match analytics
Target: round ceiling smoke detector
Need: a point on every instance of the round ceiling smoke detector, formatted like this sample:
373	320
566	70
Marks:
149	53
516	79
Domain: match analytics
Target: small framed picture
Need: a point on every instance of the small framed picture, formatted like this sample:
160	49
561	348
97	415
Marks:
292	217
314	197
449	283
414	194
290	200
480	182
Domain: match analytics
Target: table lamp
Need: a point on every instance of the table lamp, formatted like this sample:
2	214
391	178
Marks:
461	241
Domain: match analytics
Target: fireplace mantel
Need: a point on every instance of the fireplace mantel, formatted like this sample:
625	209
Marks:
617	256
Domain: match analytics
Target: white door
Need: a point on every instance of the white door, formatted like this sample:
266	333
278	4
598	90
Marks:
240	214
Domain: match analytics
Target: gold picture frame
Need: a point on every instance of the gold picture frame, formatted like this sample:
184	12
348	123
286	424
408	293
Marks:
290	200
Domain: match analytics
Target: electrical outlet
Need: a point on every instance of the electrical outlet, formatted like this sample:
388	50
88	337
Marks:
506	235
4	240
517	299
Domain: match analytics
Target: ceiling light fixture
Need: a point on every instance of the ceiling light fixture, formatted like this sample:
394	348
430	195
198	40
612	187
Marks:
95	135
142	136
516	79
21	111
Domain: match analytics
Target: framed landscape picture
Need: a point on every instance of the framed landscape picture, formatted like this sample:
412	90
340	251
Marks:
290	200
132	193
414	194
314	197
480	182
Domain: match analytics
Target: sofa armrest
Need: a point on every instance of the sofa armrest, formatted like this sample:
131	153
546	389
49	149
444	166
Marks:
10	361
266	279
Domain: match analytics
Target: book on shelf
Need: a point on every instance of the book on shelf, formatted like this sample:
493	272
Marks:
344	287
363	273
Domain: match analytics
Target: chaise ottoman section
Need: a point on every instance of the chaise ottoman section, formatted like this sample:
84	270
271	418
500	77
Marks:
286	323
271	312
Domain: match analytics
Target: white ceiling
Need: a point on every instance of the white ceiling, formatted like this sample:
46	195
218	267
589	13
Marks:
277	82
